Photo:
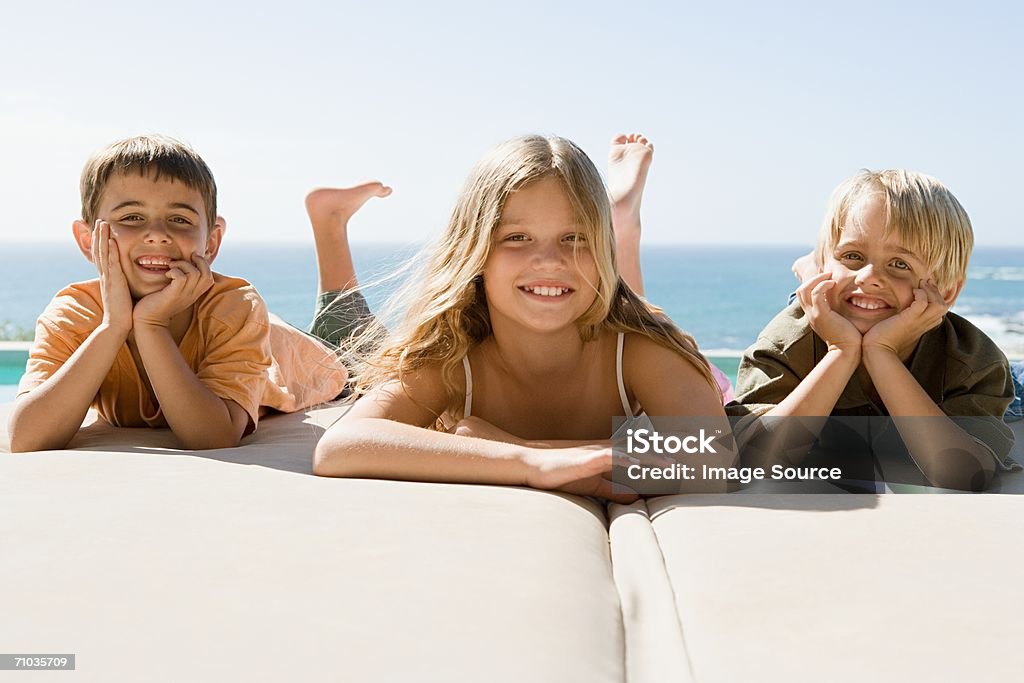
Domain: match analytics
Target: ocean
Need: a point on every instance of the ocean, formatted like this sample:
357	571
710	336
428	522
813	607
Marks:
721	295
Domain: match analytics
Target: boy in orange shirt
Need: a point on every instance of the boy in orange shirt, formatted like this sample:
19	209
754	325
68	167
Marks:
160	340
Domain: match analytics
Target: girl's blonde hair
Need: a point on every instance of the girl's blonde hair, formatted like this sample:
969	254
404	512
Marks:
445	310
920	211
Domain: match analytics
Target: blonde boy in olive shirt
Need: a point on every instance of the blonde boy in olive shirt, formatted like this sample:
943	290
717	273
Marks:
871	334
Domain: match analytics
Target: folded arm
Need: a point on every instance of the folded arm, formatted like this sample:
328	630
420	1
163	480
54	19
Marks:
947	455
385	435
199	418
48	416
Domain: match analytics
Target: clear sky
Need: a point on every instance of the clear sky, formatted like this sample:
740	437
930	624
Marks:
757	110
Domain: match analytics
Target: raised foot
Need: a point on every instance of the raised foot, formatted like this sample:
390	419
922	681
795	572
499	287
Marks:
327	206
629	159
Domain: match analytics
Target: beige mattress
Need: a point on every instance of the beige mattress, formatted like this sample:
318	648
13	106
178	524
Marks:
155	564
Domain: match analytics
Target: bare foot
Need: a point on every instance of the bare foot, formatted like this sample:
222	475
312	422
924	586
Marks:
329	211
329	207
628	162
629	159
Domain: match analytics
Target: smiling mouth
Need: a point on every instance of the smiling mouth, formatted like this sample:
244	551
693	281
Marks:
867	303
550	292
154	264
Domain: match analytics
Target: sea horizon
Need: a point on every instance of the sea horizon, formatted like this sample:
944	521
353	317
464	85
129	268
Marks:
721	294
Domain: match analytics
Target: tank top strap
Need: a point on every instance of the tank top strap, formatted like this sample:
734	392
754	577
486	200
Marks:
626	410
469	387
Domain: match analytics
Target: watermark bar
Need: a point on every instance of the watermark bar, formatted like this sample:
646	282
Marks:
36	662
826	454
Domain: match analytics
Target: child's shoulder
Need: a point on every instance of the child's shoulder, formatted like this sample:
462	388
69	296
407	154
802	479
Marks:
964	344
788	333
653	374
230	299
84	291
642	355
227	285
78	302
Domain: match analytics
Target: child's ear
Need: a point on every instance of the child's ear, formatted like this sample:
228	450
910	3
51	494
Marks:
953	292
83	237
213	239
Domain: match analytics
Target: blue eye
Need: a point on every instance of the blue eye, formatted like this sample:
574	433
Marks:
900	264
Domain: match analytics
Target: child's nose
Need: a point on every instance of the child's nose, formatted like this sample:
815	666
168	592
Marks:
549	253
868	274
156	231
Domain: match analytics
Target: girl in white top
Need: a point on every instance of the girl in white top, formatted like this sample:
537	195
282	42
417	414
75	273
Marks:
520	342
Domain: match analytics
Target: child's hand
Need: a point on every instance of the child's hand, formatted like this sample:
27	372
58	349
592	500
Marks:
900	333
576	470
834	329
189	281
116	297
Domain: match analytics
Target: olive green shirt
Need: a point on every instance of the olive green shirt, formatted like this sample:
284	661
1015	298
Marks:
960	369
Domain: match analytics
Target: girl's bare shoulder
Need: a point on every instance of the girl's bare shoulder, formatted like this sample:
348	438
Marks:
664	380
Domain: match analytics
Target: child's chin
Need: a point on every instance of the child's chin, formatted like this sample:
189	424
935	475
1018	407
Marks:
864	325
140	292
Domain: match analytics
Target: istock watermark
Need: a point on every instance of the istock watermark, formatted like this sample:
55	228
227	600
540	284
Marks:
649	441
876	454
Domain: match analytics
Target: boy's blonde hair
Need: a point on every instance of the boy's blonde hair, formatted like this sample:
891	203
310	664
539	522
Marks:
445	309
161	155
920	211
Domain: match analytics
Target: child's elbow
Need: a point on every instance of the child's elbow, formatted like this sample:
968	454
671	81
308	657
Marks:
21	444
331	457
323	460
25	441
320	462
970	480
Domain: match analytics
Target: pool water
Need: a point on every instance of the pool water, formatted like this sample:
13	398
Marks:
12	365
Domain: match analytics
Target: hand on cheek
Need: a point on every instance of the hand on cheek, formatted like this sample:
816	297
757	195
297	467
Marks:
114	292
188	281
818	297
900	333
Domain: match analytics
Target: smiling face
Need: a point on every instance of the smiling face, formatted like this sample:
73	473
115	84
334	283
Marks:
876	274
154	222
540	273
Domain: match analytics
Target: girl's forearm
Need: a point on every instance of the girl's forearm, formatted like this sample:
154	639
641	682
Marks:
377	448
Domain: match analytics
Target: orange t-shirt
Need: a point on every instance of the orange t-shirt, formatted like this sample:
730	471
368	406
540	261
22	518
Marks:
234	346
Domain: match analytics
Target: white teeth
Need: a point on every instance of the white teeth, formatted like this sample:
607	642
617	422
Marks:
868	304
153	261
547	291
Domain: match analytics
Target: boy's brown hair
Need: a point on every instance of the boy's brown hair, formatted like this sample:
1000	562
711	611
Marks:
159	154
